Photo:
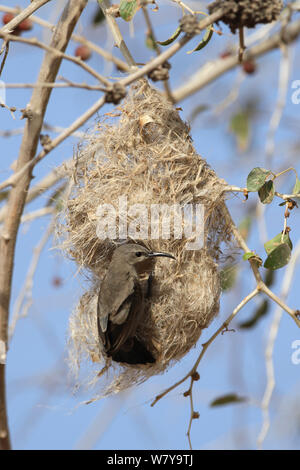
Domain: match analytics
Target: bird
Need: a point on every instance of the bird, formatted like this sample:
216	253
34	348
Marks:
121	303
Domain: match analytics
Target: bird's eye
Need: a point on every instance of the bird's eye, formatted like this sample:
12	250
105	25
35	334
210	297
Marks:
138	253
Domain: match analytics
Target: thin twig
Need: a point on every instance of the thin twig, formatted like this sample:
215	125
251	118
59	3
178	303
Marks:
67	84
237	189
75	37
56	175
60	54
184	6
192	412
283	87
213	70
261	286
242	44
152	35
30	216
13	179
6	47
24	299
232	96
23	15
120	43
223	327
273	332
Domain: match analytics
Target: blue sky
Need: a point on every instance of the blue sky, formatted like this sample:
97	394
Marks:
44	412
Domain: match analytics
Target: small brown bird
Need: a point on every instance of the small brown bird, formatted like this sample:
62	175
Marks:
121	304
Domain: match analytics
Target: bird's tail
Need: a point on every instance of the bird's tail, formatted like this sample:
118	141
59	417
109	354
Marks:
137	354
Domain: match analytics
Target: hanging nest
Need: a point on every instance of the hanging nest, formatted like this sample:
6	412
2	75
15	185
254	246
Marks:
249	13
146	156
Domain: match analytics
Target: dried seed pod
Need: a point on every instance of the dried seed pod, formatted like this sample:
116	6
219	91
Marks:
160	73
249	13
189	24
115	94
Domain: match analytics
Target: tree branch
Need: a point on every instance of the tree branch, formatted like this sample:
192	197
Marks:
13	179
213	70
223	327
273	331
105	5
75	37
172	50
261	286
9	27
75	60
17	196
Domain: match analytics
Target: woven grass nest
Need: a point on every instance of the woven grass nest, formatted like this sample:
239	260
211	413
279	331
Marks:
144	152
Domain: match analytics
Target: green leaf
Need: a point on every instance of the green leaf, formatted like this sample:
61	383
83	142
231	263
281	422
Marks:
278	257
260	312
228	399
128	9
228	277
256	178
248	255
240	126
171	38
270	277
98	17
253	256
266	192
296	189
207	37
150	43
276	241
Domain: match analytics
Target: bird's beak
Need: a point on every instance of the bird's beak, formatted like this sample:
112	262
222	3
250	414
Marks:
157	253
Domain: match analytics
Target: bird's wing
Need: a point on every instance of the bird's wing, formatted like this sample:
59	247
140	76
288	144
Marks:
122	326
117	313
113	298
113	301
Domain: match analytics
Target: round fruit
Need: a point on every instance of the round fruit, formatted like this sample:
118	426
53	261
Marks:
25	25
84	52
57	281
249	66
225	54
7	17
